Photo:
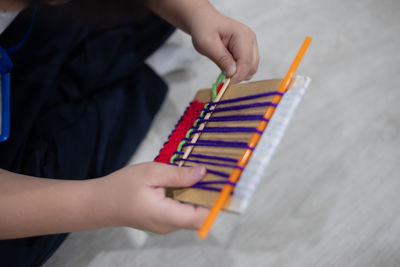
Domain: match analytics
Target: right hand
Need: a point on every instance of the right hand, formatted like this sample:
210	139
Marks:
229	43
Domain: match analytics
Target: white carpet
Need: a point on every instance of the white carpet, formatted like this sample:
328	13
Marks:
331	196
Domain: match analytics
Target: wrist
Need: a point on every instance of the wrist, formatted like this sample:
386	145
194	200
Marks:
184	14
103	203
199	15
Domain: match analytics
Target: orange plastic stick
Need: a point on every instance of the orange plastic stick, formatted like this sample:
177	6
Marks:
234	177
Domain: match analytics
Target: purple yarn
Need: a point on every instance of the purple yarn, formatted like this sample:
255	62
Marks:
248	97
202	156
218	143
208	188
228	130
204	185
239	107
249	117
216	182
218	173
210	163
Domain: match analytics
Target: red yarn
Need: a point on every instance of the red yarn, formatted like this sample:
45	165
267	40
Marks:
219	87
185	123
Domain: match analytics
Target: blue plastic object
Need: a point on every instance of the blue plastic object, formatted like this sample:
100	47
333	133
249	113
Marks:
5	69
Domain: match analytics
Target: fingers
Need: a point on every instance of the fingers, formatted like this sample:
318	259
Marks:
163	175
256	61
176	215
147	207
245	51
233	48
214	48
184	216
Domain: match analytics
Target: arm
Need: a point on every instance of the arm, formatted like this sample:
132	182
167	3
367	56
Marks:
35	206
133	196
230	44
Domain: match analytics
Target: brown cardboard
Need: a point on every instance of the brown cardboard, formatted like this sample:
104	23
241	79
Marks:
207	198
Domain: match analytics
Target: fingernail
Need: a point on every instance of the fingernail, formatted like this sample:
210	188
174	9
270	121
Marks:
199	171
231	70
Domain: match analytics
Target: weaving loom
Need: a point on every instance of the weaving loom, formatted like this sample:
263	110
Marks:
222	127
226	135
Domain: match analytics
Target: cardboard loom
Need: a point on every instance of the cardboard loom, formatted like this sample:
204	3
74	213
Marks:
205	197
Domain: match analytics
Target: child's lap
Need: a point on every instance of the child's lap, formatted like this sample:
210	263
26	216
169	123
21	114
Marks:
79	113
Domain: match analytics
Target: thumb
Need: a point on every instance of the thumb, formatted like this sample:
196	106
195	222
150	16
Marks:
217	52
179	176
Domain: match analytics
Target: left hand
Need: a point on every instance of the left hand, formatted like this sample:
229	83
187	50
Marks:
134	196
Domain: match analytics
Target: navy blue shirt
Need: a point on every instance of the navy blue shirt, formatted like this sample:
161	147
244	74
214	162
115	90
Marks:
82	99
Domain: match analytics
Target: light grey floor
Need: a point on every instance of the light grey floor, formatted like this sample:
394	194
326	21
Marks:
332	193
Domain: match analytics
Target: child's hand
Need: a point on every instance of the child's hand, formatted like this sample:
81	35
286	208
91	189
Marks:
136	197
230	44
